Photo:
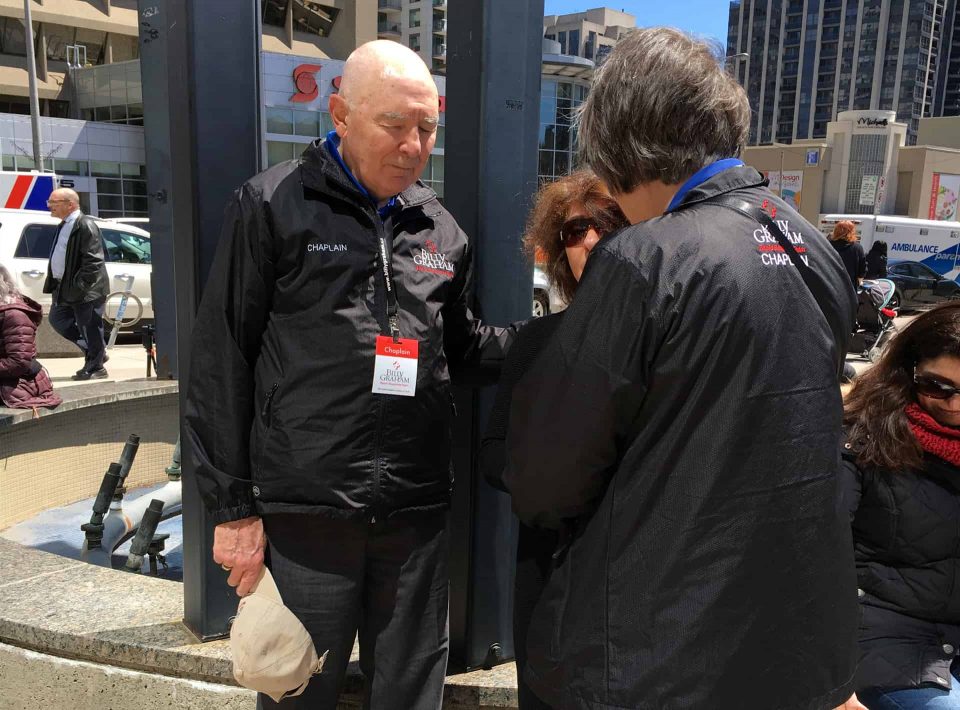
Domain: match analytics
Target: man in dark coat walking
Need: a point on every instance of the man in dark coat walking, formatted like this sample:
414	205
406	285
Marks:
77	278
682	426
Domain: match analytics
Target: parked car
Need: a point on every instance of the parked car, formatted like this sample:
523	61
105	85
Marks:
26	240
546	300
919	286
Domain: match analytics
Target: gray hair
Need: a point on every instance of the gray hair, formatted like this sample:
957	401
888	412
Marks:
9	293
660	108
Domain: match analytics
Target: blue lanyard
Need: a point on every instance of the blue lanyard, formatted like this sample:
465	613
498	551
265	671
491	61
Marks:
700	177
333	145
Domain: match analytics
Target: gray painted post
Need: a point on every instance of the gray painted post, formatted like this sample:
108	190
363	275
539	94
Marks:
494	55
212	117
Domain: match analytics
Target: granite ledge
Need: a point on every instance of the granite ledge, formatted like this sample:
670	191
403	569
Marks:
82	396
74	610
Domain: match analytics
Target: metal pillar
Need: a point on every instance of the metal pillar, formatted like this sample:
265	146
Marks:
32	82
494	54
212	136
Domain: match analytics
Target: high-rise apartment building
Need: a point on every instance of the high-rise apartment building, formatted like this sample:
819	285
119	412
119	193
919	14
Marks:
591	34
419	24
809	60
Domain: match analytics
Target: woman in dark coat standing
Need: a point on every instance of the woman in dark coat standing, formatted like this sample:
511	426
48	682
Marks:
901	485
877	261
23	381
847	244
570	216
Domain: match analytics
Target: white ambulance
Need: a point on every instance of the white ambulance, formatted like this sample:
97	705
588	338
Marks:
932	243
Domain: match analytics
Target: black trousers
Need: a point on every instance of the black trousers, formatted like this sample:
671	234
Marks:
386	581
535	549
82	325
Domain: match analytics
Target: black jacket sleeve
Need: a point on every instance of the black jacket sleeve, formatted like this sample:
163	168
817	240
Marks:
91	263
580	401
475	351
529	341
226	344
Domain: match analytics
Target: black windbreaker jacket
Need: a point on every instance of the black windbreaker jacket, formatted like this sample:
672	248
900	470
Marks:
685	422
280	412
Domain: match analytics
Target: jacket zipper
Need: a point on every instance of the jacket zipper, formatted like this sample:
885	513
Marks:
266	405
266	415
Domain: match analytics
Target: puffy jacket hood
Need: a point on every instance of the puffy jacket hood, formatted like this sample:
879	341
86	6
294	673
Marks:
28	306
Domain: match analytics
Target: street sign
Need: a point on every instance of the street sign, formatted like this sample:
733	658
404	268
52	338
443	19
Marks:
813	157
868	189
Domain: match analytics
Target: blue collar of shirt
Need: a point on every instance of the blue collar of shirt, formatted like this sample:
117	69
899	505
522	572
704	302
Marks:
333	145
700	177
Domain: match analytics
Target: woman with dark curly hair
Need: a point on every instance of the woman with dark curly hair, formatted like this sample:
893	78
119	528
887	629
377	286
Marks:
568	219
901	484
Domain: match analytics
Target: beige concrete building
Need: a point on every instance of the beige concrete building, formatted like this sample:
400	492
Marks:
328	30
418	24
591	34
804	183
864	167
944	132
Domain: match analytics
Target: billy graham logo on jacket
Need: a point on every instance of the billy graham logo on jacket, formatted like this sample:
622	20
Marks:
432	261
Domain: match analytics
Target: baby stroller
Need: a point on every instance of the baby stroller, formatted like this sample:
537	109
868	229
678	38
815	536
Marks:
875	324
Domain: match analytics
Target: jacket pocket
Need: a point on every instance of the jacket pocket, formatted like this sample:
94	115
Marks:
266	422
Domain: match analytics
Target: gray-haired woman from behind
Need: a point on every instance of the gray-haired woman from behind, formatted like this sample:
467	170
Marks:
23	381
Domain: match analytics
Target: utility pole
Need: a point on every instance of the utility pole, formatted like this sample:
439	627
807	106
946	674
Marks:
780	183
32	75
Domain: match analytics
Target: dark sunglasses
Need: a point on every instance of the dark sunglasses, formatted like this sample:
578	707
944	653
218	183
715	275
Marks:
933	388
574	231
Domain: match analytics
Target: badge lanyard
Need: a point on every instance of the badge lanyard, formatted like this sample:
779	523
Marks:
395	364
393	305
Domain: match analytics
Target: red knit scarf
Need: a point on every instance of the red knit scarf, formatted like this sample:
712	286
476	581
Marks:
937	439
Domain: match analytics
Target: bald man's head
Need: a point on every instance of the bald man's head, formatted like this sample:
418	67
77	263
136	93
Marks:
62	202
386	115
373	63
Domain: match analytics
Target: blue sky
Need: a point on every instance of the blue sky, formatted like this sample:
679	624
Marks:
705	17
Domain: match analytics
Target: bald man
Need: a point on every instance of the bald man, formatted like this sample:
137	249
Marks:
77	279
319	401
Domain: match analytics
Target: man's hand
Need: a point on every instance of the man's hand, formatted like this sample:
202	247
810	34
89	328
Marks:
853	704
238	547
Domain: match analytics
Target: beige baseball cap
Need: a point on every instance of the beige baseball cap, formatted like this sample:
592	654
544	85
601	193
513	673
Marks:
272	651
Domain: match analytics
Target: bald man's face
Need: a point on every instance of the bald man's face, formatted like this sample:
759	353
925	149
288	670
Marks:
387	132
61	205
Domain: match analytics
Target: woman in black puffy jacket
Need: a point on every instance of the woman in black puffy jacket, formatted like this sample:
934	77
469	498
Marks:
902	487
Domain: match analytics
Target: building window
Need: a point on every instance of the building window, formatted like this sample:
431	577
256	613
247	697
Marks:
562	39
558	141
13	37
574	47
308	16
414	41
415	17
590	47
121	189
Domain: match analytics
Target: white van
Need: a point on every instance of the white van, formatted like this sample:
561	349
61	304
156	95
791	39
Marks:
935	244
26	239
